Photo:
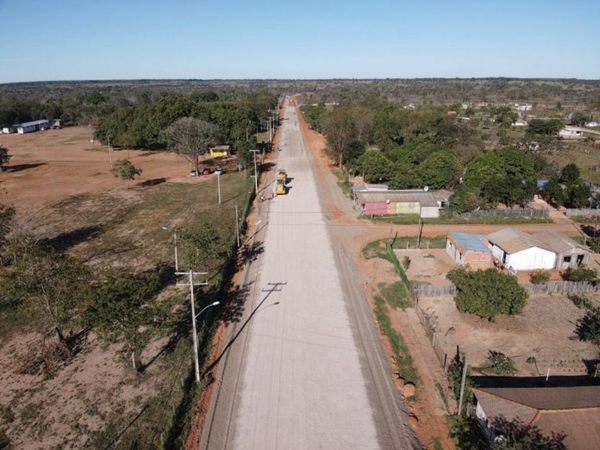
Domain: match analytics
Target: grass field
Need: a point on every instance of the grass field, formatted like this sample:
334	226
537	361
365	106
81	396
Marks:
96	400
586	158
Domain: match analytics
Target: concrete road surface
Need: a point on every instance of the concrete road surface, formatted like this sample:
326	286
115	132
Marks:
303	371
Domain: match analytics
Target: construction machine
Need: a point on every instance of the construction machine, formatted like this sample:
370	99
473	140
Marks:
280	185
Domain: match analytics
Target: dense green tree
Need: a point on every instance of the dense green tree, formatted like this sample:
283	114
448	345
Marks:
505	116
578	195
588	327
570	174
516	435
202	246
579	118
405	177
487	293
464	199
375	167
439	170
548	127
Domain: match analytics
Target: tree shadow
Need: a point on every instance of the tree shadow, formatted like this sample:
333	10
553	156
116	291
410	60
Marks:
250	253
590	230
69	239
266	166
152	182
234	306
20	167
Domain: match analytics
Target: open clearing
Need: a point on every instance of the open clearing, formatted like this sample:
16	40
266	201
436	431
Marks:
51	165
65	196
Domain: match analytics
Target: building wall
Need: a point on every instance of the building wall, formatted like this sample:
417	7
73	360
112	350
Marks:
430	212
533	258
478	260
561	264
408	208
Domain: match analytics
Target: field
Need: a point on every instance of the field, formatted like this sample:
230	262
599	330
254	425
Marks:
586	158
65	196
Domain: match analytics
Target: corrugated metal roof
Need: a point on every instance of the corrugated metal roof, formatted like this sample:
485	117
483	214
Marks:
369	187
469	241
582	427
557	242
408	196
34	122
550	398
513	241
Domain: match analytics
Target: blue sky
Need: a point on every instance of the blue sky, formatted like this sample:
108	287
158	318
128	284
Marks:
109	39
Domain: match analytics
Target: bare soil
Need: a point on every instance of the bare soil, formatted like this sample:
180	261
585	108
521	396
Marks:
544	330
49	166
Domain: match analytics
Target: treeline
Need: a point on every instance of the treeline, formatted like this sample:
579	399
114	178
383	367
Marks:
142	126
408	149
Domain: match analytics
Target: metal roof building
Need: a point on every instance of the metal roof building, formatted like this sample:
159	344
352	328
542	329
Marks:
469	249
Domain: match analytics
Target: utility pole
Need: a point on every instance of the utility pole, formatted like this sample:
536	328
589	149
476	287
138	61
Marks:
255	171
191	274
219	186
166	228
462	387
110	154
237	226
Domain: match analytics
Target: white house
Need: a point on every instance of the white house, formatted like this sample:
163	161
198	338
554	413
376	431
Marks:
520	251
519	123
571	133
36	125
523	107
592	124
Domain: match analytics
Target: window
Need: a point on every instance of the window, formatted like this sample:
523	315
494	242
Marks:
567	259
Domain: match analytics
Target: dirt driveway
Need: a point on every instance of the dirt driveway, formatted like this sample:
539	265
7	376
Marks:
47	167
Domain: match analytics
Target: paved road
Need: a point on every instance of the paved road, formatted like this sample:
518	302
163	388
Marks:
306	370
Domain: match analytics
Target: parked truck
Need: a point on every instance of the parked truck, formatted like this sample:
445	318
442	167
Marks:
281	181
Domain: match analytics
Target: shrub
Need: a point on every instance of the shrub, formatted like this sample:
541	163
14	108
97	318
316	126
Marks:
487	293
406	262
500	363
540	277
581	273
588	327
581	301
518	435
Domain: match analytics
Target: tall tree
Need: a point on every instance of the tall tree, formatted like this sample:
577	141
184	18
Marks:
441	169
191	138
340	128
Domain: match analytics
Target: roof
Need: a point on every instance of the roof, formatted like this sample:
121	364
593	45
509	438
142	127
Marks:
369	187
34	122
514	241
468	241
442	195
424	198
573	410
220	147
558	243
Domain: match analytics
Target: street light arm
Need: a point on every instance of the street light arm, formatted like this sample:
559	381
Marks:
206	307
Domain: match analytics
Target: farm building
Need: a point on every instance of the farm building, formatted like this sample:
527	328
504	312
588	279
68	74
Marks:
36	125
520	251
571	133
469	250
568	252
592	124
425	204
9	130
572	410
220	151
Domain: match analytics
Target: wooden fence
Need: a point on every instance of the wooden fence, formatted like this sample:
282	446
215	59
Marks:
428	290
583	212
520	212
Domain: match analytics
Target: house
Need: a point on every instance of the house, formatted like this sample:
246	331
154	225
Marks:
523	107
36	125
57	124
568	252
571	133
519	123
469	249
421	202
572	410
10	130
220	151
592	124
517	250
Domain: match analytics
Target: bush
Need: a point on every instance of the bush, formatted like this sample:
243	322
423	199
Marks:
581	301
487	293
581	273
540	277
500	363
588	327
406	262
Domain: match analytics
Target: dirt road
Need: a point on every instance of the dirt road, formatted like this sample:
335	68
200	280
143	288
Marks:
306	369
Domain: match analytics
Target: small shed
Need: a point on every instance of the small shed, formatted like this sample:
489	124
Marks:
220	151
468	249
568	252
520	251
571	133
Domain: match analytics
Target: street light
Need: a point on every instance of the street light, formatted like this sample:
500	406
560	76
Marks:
166	228
219	185
208	306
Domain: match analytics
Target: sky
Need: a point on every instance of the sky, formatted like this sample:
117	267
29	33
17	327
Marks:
132	39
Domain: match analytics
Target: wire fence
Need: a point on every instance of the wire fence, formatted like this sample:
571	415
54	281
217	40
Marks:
561	287
520	212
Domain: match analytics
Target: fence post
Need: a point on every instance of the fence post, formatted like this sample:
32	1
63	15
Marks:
433	339
462	387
